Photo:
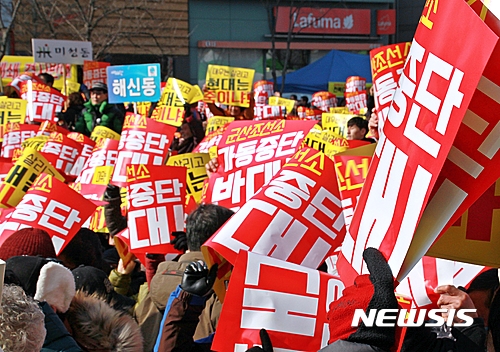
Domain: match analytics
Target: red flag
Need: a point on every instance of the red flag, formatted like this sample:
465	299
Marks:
288	300
143	141
156	196
249	154
434	92
52	206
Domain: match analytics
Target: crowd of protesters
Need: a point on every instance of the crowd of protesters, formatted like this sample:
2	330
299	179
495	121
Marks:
86	299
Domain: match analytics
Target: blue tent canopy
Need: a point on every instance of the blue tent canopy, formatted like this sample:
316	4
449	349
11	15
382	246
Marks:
336	66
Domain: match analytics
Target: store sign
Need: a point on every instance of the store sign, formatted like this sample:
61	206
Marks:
386	22
307	20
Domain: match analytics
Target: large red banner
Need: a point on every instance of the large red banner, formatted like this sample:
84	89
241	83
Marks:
156	196
93	72
472	164
434	91
288	300
387	62
143	141
250	153
52	206
296	217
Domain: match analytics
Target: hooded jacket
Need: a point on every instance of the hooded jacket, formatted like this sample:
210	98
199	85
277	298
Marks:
98	327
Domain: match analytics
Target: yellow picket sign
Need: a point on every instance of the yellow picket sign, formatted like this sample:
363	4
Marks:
72	87
190	93
289	104
11	110
326	141
22	175
336	123
36	142
102	175
169	115
101	132
217	122
229	85
196	172
13	66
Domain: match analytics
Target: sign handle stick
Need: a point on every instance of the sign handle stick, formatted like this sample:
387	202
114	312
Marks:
65	92
135	108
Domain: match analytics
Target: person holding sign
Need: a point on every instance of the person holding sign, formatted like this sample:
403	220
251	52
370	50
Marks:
98	112
238	112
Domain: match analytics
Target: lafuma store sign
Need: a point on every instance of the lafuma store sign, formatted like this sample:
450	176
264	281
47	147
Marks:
309	20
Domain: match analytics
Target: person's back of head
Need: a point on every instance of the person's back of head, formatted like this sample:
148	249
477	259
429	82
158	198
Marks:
203	222
22	326
47	78
84	249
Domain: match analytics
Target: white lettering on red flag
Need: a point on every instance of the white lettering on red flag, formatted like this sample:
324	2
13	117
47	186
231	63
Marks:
288	300
52	206
250	153
156	196
143	141
434	91
296	217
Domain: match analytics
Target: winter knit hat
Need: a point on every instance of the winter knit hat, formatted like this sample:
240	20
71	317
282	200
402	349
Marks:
56	286
374	291
44	280
29	241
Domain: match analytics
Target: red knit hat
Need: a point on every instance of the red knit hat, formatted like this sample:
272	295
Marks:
29	241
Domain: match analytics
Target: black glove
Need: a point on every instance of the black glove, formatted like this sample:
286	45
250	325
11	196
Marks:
266	343
187	110
111	192
197	279
180	240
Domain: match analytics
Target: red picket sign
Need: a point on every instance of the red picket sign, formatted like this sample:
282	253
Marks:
15	135
143	141
93	72
262	90
43	101
5	166
309	114
210	140
268	112
434	92
87	148
430	273
296	217
355	84
355	101
47	127
250	153
105	153
387	62
472	164
288	300
52	206
324	101
156	196
351	173
61	152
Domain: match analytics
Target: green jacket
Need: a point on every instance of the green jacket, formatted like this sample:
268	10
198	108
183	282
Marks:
105	114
